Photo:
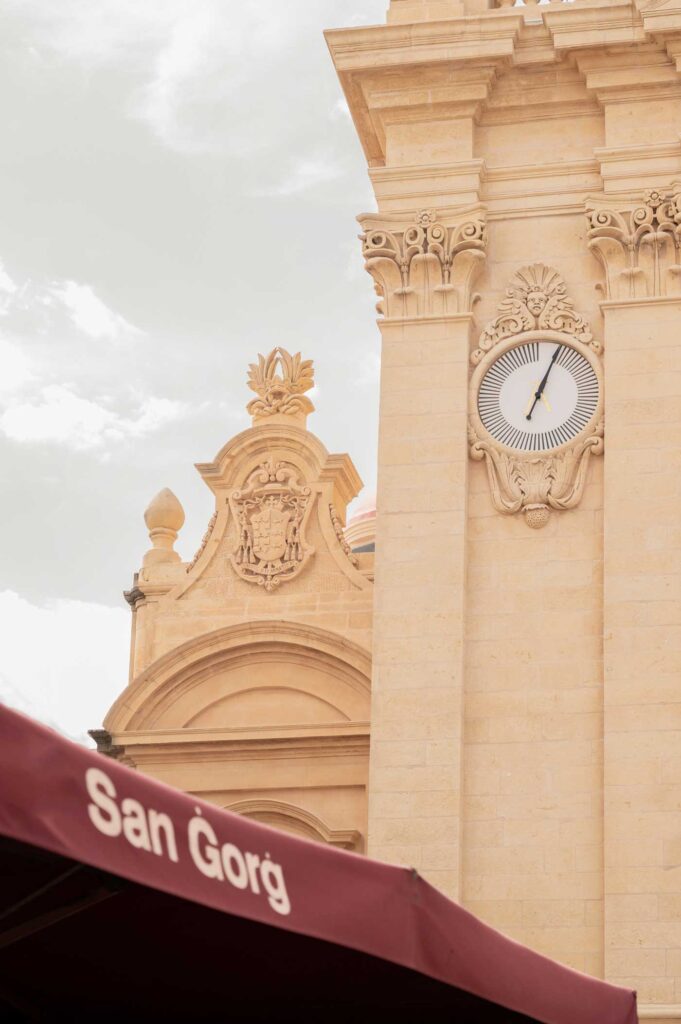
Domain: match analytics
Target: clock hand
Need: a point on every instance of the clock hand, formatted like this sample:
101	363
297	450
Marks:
542	384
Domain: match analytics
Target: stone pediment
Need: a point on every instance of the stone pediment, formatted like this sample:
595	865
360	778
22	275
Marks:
280	505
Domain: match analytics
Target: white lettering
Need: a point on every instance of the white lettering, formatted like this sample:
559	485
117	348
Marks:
101	791
273	879
233	858
135	827
161	823
252	862
207	859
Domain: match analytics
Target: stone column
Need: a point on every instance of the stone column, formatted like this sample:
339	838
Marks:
639	249
423	272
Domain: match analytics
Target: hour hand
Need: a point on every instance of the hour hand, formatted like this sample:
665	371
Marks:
532	401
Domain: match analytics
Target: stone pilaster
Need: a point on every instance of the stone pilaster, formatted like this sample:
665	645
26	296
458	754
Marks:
424	273
642	599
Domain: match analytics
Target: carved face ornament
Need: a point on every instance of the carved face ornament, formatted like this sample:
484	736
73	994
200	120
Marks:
536	301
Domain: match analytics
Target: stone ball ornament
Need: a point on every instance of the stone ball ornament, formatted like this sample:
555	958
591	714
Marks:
164	517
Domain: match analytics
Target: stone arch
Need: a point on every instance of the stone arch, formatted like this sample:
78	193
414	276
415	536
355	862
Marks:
232	676
296	820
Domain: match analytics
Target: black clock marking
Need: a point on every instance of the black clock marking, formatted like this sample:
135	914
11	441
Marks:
530	436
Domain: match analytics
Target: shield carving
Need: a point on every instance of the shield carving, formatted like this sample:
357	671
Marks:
269	532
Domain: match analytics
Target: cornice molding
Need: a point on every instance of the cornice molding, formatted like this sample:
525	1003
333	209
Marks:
458	39
618	58
654	301
195	750
661	1011
587	27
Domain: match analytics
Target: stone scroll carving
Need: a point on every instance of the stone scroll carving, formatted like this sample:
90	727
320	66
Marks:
280	381
536	305
535	299
536	484
271	512
338	530
638	247
426	268
204	541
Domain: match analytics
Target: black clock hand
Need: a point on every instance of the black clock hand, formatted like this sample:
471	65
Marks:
540	390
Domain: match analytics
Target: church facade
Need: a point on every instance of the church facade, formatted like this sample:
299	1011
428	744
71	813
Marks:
493	695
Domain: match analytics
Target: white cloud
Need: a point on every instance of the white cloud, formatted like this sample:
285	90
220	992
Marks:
62	417
15	367
369	370
7	285
341	109
89	314
190	57
305	174
63	663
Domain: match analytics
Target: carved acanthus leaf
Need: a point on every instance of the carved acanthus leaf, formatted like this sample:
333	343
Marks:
427	268
536	299
638	247
338	528
271	512
280	381
537	485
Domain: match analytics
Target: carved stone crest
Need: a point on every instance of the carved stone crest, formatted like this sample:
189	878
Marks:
280	381
535	299
271	512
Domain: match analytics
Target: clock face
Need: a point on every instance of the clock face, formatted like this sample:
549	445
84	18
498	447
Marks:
537	396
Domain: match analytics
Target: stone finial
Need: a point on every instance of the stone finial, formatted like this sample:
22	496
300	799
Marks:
164	517
280	381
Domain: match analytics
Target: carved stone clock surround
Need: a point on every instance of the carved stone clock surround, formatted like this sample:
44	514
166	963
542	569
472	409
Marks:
535	482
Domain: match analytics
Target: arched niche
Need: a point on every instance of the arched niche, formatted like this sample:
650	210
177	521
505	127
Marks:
297	821
250	676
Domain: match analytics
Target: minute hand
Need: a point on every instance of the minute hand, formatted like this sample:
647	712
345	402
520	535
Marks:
542	384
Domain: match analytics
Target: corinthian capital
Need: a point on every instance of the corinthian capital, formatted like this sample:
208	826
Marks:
425	266
639	247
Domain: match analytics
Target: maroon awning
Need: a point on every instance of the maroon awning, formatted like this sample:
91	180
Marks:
124	899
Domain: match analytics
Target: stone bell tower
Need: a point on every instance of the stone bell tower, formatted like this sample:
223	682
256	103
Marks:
526	702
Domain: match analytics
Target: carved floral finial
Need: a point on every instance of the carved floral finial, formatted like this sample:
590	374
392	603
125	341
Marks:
164	516
280	381
536	299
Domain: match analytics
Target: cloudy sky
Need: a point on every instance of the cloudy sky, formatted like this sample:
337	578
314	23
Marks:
178	189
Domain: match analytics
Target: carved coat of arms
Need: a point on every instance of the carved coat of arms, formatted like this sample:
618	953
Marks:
271	512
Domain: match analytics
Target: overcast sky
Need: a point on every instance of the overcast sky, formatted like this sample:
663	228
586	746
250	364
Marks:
178	188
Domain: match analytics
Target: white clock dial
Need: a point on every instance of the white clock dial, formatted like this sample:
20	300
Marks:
538	395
